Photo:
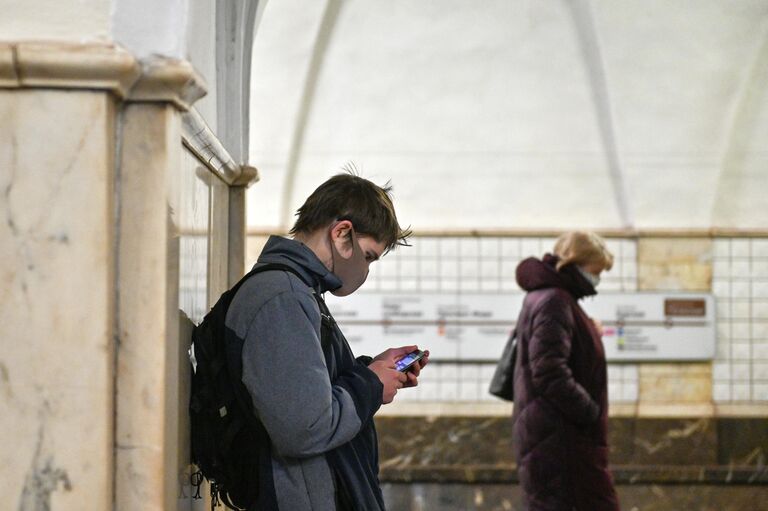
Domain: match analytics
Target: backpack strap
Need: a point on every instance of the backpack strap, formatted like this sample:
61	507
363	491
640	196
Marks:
327	323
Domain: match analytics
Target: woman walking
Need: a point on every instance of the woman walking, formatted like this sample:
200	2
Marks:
561	399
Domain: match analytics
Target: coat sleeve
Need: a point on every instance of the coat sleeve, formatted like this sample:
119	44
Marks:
284	370
548	352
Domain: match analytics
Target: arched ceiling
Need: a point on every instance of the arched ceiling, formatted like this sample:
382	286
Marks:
518	114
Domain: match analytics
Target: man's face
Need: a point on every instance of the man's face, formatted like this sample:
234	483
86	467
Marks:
352	255
372	250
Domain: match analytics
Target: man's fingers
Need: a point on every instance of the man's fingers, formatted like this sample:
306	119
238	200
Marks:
403	350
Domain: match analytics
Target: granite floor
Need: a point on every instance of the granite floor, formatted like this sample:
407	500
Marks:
507	497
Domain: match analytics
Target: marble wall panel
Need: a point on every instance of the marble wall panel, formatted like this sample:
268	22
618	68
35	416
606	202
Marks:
621	439
147	435
671	442
474	442
441	441
484	443
671	383
56	299
743	441
658	464
683	264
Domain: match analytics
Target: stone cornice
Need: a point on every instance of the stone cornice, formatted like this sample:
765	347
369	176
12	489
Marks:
168	80
8	76
106	67
66	65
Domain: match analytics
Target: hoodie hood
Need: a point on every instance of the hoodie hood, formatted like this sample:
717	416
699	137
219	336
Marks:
533	273
301	258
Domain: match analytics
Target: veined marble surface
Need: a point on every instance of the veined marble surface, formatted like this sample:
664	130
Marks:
56	300
668	450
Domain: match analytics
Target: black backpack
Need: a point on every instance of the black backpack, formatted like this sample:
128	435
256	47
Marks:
226	435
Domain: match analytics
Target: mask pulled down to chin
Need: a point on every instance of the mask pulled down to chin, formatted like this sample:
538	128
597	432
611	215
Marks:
351	271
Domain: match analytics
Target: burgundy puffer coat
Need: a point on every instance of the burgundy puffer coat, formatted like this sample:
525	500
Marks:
561	398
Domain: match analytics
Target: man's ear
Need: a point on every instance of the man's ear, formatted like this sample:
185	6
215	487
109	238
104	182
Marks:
341	237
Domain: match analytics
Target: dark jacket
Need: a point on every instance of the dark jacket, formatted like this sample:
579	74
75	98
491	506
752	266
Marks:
317	409
561	397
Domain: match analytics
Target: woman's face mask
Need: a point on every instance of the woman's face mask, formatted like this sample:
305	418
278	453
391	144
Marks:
591	277
352	271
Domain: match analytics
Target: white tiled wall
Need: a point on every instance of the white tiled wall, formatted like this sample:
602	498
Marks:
740	285
453	265
487	264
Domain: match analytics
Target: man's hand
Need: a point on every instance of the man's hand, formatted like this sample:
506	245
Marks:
391	378
396	354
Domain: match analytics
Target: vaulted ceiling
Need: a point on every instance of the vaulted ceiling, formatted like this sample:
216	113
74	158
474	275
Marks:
518	114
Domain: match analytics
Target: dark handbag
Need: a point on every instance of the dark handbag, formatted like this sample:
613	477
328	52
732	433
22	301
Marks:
503	381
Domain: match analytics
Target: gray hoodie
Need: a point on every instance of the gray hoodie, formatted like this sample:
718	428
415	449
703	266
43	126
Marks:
318	412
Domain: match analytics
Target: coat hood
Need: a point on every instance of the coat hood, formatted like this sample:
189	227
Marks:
533	273
301	258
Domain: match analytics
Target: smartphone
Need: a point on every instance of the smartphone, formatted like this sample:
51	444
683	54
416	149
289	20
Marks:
405	363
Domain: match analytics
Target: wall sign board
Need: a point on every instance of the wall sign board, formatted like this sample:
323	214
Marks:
475	326
655	326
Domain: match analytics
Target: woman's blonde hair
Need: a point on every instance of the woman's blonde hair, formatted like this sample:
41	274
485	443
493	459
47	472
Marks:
580	248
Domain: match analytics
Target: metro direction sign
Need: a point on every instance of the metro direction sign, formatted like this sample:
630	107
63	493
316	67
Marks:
637	326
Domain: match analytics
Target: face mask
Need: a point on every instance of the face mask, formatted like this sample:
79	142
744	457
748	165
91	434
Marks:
352	271
591	277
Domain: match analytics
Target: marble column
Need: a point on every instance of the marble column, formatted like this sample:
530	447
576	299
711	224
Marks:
93	370
146	433
682	389
56	309
57	244
151	454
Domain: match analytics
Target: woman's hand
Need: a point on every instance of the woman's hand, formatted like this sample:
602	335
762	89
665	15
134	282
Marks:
598	326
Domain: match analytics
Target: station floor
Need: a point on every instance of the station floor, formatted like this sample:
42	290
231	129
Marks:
507	497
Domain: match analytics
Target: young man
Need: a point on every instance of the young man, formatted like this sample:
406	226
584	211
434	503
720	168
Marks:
317	403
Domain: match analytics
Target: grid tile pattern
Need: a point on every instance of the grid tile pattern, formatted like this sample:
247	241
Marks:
740	285
479	265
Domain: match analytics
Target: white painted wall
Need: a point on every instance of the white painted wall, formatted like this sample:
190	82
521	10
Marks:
201	53
151	27
504	113
55	20
213	36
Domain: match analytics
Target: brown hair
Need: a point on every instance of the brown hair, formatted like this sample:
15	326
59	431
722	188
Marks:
350	197
579	247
